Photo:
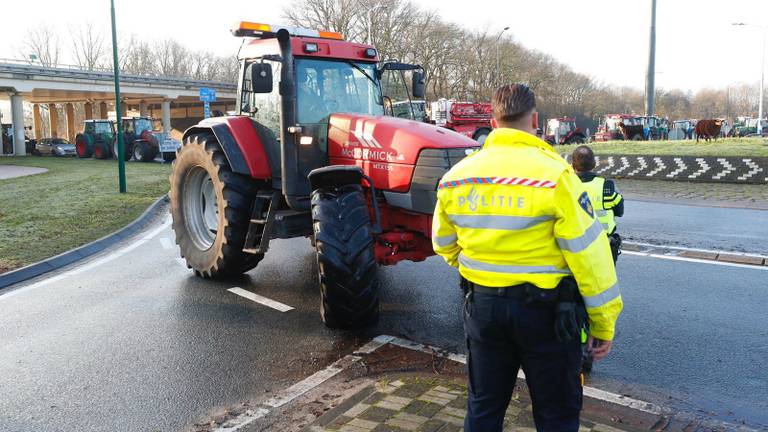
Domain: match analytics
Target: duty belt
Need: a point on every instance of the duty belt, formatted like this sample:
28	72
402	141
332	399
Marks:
524	291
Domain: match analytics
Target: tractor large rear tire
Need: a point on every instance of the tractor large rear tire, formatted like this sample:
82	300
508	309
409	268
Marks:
349	286
127	150
83	146
211	209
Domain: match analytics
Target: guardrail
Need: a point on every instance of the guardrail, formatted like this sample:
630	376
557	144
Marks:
705	169
103	74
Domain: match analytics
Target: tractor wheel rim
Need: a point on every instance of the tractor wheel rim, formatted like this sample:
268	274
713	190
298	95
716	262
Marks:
137	153
201	208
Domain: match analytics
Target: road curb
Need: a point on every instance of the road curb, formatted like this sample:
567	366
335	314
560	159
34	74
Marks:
74	255
746	259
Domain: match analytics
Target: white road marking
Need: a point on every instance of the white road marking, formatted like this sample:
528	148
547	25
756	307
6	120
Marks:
696	260
166	243
690	249
242	420
260	299
311	381
588	391
89	266
182	262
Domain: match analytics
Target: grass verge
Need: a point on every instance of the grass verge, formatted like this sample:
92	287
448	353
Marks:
74	203
745	147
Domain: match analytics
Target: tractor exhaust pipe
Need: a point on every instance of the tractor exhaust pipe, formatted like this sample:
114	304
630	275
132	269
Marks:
288	148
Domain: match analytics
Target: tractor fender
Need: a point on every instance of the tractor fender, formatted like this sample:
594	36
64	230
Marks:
334	176
240	142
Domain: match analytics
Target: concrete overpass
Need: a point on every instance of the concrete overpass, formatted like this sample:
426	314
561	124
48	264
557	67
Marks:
48	87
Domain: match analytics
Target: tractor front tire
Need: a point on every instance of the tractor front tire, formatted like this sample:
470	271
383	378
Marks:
102	150
211	209
349	286
143	151
127	150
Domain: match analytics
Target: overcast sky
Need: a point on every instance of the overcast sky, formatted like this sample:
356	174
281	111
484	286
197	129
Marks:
607	39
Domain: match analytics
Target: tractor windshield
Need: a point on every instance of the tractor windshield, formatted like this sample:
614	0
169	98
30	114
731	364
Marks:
142	125
102	128
325	87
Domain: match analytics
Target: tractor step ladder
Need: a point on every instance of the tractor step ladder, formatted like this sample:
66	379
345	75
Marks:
262	218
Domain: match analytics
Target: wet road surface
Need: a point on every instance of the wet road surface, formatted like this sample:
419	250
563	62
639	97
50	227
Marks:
729	229
136	342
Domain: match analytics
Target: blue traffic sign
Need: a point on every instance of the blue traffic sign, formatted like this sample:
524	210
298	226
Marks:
206	109
207	94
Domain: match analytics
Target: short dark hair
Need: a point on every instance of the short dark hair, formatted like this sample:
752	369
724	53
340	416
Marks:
512	101
583	159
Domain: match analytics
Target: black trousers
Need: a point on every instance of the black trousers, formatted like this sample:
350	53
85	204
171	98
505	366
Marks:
504	334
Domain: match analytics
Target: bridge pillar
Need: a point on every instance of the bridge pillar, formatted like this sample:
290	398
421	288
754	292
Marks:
37	121
53	117
143	111
166	108
17	119
103	110
69	109
88	107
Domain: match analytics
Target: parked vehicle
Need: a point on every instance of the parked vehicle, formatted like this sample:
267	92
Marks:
563	130
313	156
470	119
142	141
609	128
96	140
54	147
682	129
655	128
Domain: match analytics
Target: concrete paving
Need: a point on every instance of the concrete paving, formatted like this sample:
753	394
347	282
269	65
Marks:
13	171
131	341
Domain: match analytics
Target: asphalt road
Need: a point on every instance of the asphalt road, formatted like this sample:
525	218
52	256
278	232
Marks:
729	229
133	342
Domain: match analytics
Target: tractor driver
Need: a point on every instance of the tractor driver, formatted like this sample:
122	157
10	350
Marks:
311	108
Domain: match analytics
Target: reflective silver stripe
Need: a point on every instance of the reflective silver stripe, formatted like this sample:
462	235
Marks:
503	268
497	222
580	243
602	213
606	226
604	297
443	241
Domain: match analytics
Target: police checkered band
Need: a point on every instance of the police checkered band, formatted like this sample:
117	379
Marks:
511	181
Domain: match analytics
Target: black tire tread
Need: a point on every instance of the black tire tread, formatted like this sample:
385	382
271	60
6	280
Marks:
347	267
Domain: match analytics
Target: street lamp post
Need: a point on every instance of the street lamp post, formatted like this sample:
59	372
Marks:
498	57
762	76
120	143
370	20
650	84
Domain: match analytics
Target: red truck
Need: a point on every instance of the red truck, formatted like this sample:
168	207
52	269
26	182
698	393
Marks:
470	119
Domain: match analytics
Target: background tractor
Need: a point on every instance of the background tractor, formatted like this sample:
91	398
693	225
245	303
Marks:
609	128
96	139
142	141
467	118
311	154
564	131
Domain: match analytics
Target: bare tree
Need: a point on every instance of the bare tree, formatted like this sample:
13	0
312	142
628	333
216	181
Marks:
343	16
42	44
170	57
89	47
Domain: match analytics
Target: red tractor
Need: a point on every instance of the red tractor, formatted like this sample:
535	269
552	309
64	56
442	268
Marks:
612	127
564	131
311	154
467	118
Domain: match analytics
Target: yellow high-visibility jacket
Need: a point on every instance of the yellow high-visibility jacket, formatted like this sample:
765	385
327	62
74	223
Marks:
515	212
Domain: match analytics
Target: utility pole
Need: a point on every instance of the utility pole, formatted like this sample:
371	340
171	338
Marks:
650	86
120	143
370	20
762	75
498	58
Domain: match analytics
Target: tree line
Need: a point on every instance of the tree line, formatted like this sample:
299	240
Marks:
90	48
459	63
462	64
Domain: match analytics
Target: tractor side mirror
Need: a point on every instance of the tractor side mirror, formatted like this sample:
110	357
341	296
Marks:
417	84
261	77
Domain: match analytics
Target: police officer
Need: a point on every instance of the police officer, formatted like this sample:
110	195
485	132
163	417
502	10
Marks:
605	197
519	225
